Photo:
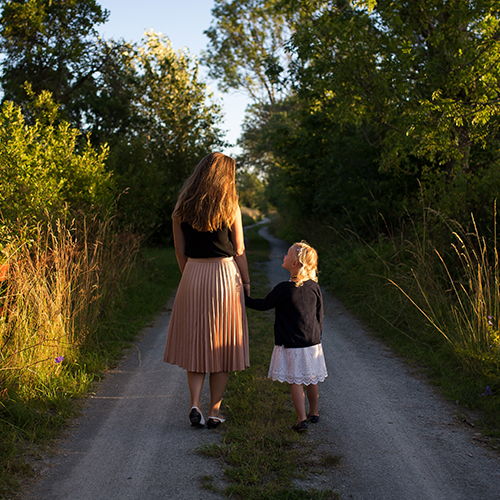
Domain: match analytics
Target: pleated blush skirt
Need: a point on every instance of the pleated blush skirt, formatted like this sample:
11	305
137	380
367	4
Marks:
208	330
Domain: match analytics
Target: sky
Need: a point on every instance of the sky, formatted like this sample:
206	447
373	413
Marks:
183	21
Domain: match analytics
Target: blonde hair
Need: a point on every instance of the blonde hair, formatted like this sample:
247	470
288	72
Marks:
307	256
208	200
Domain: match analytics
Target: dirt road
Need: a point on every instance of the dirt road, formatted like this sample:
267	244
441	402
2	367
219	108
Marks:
399	440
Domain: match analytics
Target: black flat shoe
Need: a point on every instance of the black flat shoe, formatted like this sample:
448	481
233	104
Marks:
300	426
196	417
314	419
214	422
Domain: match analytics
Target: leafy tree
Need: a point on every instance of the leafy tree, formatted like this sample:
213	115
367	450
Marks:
423	74
251	189
51	44
318	169
104	104
175	124
146	101
247	47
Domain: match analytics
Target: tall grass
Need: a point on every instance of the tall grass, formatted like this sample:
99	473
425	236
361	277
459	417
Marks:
60	283
462	301
62	280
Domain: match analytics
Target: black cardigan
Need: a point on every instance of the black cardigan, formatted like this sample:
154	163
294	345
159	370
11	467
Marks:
298	313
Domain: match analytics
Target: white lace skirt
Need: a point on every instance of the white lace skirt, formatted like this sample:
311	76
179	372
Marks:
302	365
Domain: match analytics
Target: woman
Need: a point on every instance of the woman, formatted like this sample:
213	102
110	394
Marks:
208	330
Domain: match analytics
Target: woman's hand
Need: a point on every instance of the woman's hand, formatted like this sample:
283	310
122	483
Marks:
246	287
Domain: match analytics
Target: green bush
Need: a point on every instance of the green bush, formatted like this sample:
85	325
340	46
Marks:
45	167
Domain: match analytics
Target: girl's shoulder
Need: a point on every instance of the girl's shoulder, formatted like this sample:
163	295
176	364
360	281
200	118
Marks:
310	284
312	287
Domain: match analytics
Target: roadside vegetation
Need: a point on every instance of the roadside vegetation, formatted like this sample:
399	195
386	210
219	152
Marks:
69	310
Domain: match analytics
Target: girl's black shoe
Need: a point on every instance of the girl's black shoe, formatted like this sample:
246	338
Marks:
314	419
300	426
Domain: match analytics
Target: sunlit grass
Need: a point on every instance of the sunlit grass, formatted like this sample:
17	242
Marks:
75	295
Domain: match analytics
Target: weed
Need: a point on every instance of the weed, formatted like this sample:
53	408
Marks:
207	483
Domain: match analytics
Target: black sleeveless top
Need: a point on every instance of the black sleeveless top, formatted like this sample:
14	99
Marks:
207	244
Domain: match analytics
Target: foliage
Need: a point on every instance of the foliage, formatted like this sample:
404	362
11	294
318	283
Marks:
318	169
251	190
466	314
43	171
104	106
51	44
144	102
246	47
422	75
409	87
60	289
175	124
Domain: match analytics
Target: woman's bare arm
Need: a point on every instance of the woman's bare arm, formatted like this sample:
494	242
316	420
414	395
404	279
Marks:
238	240
179	244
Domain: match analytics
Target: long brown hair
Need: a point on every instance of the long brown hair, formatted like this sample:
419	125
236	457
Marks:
208	201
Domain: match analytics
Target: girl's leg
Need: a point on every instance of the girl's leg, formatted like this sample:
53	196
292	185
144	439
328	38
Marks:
312	391
195	382
299	401
218	383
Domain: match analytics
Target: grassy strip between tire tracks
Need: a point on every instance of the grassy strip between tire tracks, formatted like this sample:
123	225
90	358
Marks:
262	455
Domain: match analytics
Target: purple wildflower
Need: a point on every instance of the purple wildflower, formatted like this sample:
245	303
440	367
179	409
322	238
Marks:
487	391
60	359
489	321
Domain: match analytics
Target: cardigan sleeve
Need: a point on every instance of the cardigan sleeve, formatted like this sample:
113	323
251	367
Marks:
273	298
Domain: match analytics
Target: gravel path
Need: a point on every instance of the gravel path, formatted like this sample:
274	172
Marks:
397	438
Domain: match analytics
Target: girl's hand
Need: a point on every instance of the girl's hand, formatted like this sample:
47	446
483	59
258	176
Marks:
246	287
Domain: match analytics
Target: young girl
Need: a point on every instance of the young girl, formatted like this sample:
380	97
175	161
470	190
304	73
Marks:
297	356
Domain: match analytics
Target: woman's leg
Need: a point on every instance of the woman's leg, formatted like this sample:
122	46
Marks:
312	391
195	382
299	402
218	383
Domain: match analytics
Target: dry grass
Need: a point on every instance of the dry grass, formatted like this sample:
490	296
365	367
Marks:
60	282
